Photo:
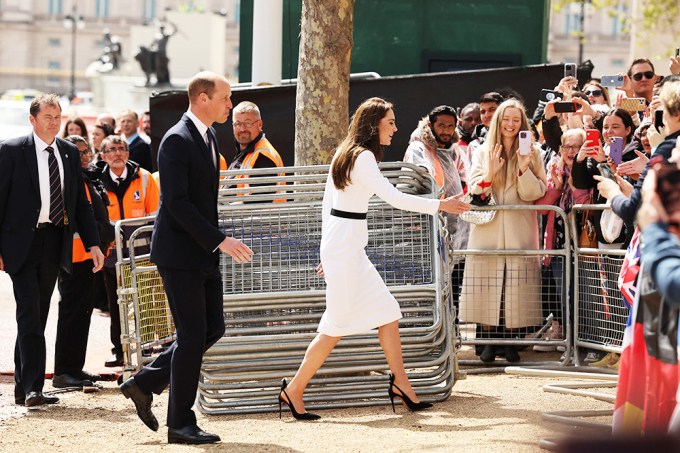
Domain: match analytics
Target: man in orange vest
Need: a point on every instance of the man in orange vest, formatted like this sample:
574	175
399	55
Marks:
77	287
254	150
133	193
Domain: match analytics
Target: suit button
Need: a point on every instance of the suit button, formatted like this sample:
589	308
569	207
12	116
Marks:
32	229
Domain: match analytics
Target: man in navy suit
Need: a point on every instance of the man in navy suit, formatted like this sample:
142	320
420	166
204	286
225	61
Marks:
185	246
42	204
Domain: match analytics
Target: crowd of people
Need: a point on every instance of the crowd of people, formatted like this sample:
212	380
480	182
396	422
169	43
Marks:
492	150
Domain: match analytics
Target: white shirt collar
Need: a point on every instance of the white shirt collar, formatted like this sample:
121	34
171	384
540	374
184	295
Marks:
114	177
41	145
202	128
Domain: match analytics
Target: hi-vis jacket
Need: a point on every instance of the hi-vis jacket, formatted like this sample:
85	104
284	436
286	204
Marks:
136	196
260	154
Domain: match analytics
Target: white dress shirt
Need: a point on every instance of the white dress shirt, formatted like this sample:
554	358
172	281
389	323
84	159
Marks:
203	130
44	175
114	177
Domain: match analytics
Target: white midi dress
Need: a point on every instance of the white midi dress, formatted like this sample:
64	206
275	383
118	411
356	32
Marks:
357	299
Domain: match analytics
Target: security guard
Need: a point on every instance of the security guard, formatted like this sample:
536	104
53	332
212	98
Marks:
133	193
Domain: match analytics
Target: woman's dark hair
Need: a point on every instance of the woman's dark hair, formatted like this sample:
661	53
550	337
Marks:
106	128
627	121
80	123
362	135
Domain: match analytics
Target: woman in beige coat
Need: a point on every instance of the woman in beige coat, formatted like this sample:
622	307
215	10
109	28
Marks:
504	292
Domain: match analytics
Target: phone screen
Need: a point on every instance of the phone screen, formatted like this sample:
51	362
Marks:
658	120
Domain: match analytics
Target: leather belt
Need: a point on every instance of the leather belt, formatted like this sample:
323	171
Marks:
348	215
42	226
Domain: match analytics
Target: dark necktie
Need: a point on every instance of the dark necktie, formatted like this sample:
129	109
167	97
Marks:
210	143
56	197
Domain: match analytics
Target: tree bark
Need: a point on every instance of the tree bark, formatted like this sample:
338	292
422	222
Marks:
321	104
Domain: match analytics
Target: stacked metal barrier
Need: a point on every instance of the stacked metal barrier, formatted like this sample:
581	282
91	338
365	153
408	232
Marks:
601	314
272	305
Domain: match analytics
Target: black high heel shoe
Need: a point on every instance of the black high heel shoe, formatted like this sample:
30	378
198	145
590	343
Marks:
296	414
410	404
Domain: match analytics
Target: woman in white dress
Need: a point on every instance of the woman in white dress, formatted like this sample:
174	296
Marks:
357	299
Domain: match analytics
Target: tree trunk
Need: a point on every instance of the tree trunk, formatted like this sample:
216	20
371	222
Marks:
321	104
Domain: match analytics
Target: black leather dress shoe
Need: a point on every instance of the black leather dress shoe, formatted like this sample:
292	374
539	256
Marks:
191	435
38	399
115	360
87	376
142	402
62	381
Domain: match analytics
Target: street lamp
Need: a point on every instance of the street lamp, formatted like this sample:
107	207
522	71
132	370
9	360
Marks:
73	21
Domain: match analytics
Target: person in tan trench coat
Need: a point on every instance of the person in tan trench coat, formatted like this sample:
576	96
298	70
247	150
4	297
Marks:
504	290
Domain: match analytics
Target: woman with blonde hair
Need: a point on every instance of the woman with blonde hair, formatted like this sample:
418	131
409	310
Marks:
504	292
357	299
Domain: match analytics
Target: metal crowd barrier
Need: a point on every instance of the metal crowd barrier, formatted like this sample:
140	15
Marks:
272	305
600	311
532	304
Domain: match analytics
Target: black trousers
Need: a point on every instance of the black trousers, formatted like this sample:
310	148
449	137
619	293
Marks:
195	300
75	312
114	311
33	286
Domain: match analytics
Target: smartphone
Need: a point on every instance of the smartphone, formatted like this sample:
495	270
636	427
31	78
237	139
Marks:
634	104
616	150
677	52
668	186
570	70
658	120
614	81
524	143
550	95
606	171
592	137
566	107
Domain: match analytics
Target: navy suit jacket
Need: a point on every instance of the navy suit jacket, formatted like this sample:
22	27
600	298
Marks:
140	153
20	201
186	231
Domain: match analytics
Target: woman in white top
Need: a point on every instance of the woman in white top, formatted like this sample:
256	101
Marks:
357	299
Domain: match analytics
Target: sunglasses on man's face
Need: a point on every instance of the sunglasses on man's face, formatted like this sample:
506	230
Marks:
647	74
594	93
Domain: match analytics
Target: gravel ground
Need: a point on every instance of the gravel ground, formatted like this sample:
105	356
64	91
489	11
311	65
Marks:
486	412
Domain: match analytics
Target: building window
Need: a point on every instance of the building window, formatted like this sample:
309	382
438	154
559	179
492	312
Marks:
572	16
53	79
101	8
618	17
149	10
55	42
55	8
618	63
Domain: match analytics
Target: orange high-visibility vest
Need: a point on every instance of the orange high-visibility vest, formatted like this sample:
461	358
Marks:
79	252
261	148
140	200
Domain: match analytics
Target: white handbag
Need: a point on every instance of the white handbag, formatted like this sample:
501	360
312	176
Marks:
478	217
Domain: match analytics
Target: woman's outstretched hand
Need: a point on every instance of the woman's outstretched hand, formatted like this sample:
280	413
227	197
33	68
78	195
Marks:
319	270
453	205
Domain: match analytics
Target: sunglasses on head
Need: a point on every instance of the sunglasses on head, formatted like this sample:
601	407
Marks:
647	74
594	93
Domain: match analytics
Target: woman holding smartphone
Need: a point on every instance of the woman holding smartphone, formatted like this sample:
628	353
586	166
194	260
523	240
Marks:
503	293
357	299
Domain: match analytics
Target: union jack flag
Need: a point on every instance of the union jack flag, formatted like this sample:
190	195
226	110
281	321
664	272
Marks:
630	269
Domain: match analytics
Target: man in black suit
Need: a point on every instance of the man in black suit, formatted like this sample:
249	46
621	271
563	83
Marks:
42	204
140	151
184	246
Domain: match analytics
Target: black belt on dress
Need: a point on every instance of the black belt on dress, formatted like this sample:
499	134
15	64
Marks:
348	215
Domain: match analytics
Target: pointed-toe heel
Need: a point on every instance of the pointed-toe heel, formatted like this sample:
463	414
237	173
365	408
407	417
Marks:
308	416
407	401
